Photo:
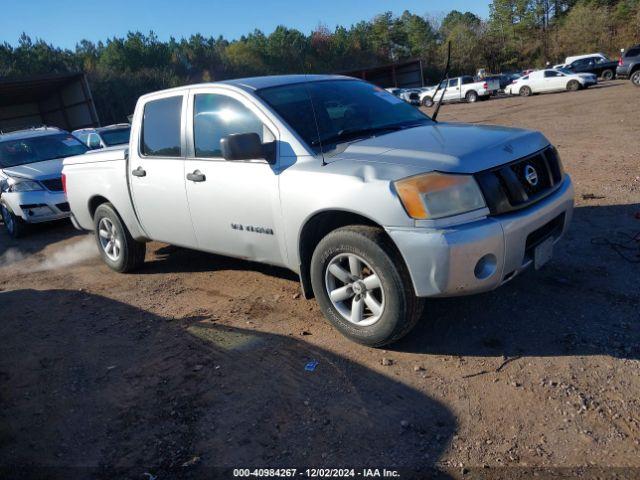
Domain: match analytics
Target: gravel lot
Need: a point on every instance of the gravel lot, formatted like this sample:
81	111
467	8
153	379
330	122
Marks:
198	361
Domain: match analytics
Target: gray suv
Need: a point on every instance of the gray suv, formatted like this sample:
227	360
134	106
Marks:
629	65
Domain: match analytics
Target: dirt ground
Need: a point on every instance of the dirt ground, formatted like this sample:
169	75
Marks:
198	361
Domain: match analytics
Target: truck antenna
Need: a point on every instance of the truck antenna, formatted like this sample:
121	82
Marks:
445	77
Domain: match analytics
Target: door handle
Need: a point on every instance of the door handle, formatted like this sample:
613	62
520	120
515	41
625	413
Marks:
196	176
139	172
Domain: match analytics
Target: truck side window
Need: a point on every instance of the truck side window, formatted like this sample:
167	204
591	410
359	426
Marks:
216	116
161	128
453	82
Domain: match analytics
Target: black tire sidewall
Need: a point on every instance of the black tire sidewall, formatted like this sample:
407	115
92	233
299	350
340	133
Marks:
106	210
608	75
635	78
471	97
573	85
18	225
525	91
427	102
396	307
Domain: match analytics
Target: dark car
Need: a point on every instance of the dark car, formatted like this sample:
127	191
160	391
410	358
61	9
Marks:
600	66
629	65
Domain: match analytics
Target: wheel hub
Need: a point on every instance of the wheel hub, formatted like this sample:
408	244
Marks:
358	288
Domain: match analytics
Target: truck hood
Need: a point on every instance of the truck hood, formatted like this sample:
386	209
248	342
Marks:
36	171
446	147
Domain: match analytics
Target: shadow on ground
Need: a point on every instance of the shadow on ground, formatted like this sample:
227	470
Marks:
91	382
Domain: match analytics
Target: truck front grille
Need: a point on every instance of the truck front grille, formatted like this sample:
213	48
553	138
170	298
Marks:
53	184
521	183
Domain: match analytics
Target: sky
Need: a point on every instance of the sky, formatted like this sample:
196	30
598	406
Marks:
63	23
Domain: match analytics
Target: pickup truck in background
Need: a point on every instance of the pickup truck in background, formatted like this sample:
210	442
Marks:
372	203
460	89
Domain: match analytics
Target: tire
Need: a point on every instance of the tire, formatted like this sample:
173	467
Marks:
525	91
471	97
395	310
573	85
15	226
116	245
635	78
427	102
607	75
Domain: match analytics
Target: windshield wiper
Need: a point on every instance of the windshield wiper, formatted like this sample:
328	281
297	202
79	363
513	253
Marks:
349	134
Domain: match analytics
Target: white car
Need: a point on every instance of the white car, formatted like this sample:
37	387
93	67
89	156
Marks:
550	80
31	189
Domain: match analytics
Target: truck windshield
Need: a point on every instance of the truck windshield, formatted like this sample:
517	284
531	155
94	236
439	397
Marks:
38	149
330	112
117	136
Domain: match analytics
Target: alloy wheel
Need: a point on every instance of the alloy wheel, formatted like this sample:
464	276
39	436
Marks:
109	239
354	289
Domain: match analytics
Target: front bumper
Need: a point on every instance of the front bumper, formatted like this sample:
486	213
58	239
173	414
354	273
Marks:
38	206
444	262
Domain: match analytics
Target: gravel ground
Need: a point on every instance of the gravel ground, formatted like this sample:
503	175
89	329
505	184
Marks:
197	361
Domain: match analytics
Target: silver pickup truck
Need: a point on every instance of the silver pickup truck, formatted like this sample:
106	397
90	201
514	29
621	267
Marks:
371	202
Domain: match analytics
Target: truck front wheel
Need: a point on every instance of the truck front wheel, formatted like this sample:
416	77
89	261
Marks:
116	245
363	287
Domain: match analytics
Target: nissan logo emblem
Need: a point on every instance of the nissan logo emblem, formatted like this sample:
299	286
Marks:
531	175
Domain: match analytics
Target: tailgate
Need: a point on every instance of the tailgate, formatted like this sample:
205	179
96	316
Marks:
493	84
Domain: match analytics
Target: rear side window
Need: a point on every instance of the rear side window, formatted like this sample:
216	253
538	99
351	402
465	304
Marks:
633	52
161	128
216	116
467	80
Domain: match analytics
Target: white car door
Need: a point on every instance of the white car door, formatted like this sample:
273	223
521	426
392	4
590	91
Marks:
554	80
234	204
453	90
156	172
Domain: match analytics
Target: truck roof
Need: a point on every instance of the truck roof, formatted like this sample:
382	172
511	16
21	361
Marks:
257	83
30	133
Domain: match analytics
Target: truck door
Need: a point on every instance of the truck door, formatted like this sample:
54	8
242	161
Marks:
453	90
234	205
156	171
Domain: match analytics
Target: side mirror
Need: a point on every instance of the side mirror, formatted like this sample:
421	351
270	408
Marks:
242	146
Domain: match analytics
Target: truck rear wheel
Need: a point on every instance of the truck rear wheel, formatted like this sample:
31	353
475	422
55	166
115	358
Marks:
116	245
16	227
363	287
635	78
608	75
471	97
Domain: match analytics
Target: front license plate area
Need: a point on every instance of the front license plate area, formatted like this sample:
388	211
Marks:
543	253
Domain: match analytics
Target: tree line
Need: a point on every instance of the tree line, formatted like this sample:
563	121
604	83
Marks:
517	34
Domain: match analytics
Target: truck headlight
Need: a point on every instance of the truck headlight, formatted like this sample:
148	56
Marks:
25	186
436	195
